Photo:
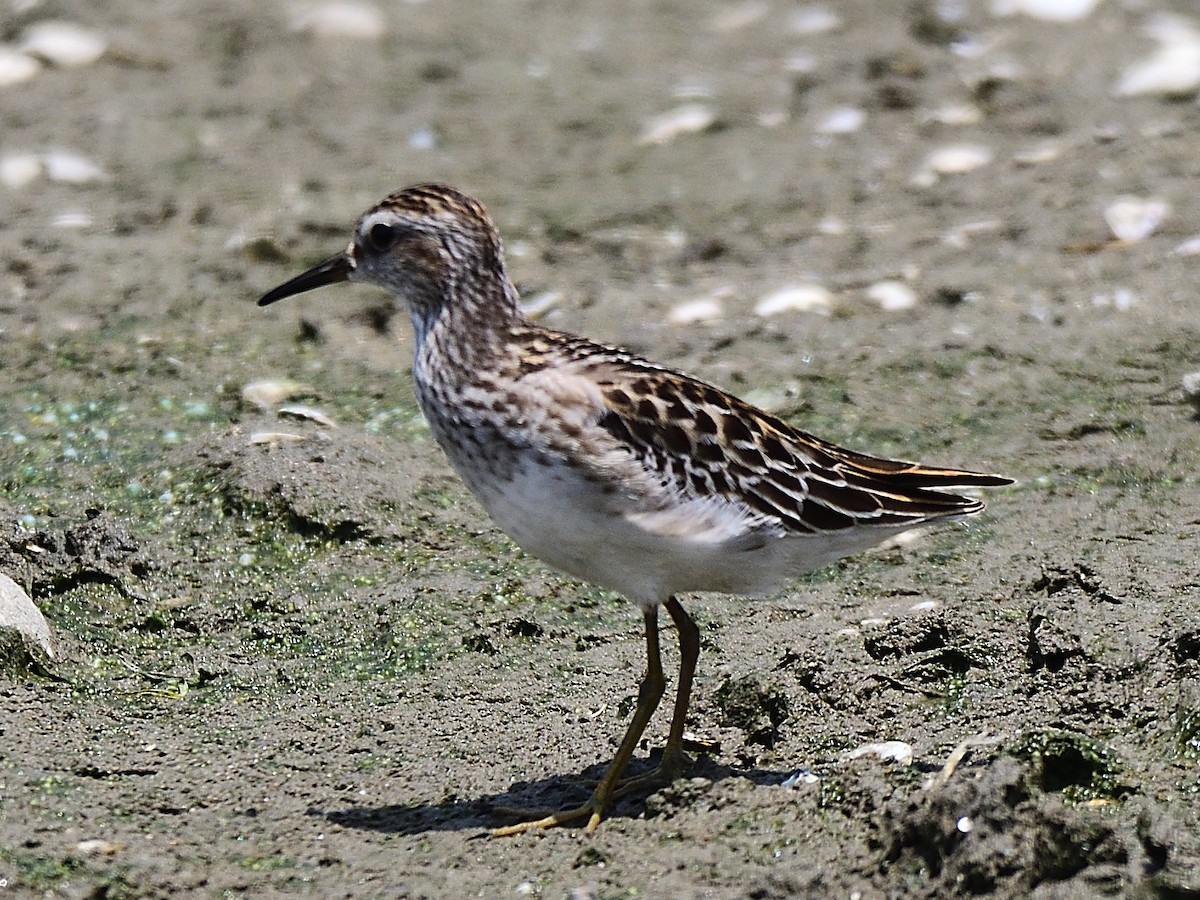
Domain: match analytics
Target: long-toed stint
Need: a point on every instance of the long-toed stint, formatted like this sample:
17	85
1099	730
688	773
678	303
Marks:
614	469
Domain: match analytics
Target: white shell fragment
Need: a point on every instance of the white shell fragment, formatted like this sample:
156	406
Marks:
16	67
1173	70
1190	247
965	825
1047	10
1191	388
540	304
740	15
802	776
815	18
843	120
75	219
20	169
800	298
956	159
892	295
1133	219
63	44
703	309
71	168
309	413
1036	155
274	438
341	19
688	118
267	393
899	751
18	613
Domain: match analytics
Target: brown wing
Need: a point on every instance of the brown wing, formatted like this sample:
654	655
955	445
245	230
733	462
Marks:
703	441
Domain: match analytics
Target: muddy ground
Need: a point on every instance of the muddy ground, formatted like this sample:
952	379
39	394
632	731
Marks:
311	666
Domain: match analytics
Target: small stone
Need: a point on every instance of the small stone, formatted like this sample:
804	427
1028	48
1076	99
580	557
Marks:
687	118
958	158
899	751
274	438
800	298
341	19
71	168
16	67
892	295
22	625
20	169
267	393
843	120
813	19
1133	219
1173	70
1191	388
1047	10
307	413
63	44
704	309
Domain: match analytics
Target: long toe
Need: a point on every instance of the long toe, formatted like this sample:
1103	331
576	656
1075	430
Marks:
593	811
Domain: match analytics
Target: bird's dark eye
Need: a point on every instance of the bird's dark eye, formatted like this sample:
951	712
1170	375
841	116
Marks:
381	237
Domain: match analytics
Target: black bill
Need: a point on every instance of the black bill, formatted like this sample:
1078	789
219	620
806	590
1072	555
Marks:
335	269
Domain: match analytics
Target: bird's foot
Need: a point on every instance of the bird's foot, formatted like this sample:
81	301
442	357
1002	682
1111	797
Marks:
592	810
669	768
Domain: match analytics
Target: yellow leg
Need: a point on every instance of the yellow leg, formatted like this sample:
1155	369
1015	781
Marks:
670	767
649	694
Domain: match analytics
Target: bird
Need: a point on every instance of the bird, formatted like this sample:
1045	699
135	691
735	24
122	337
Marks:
619	471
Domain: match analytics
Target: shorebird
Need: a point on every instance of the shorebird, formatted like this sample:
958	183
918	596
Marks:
614	469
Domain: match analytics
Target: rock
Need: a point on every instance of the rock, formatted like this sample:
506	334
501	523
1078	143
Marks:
24	634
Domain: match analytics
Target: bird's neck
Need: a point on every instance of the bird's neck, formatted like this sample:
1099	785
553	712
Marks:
470	327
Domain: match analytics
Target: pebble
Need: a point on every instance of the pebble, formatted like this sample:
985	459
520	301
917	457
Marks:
1047	10
802	776
1173	69
799	298
307	413
540	304
341	19
1133	219
740	15
1190	247
892	295
1041	153
704	309
955	114
899	751
63	44
955	159
273	438
71	168
267	393
16	67
1191	388
814	19
18	614
76	219
843	120
688	118
20	169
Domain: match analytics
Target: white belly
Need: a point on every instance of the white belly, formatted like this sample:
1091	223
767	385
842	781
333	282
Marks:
553	513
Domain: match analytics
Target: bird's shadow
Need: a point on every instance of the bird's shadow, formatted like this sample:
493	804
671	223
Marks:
556	792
